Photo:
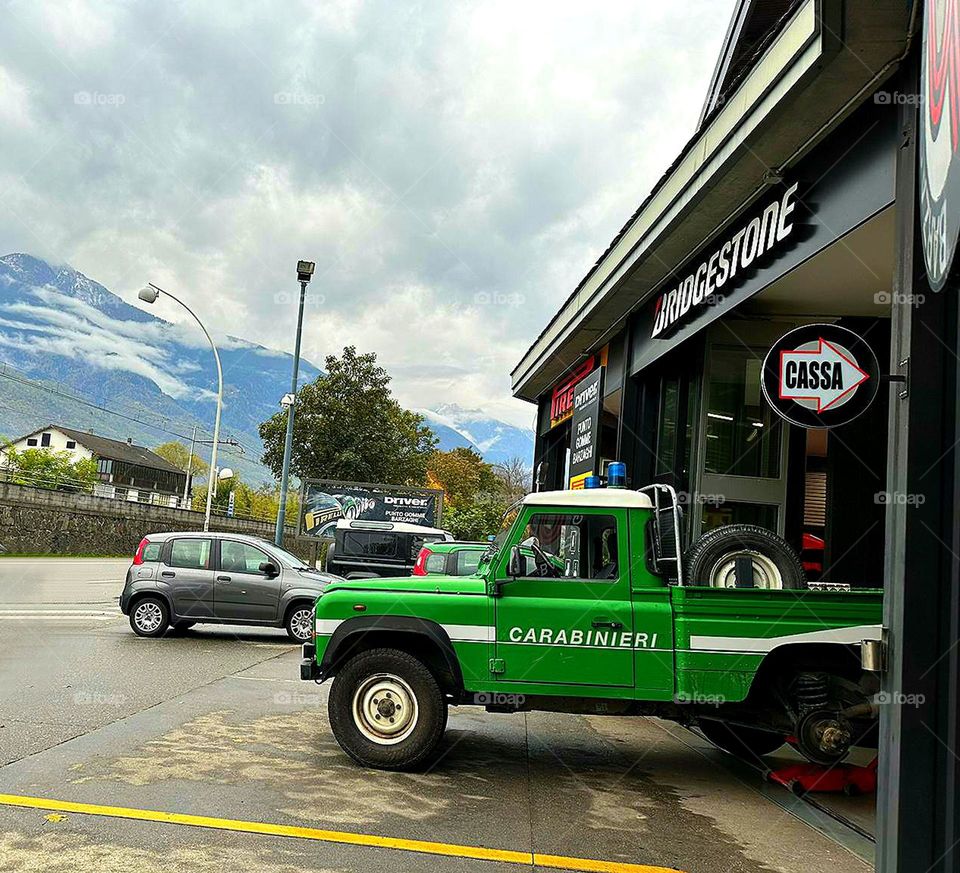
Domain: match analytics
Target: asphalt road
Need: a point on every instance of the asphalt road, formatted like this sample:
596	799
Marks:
168	744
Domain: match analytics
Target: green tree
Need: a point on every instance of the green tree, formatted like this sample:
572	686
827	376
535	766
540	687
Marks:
476	519
349	426
258	503
178	454
462	474
45	468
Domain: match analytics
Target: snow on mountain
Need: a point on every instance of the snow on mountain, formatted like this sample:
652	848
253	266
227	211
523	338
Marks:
60	327
496	441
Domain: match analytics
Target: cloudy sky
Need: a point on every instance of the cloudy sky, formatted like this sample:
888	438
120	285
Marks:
453	168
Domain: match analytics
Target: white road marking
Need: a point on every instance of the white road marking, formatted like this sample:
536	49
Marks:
55	618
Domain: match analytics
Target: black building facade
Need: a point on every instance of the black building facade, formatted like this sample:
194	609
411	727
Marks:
797	202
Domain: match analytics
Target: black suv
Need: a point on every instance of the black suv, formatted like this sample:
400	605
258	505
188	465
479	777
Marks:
367	549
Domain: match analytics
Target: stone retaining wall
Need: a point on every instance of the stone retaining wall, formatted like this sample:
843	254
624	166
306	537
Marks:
40	522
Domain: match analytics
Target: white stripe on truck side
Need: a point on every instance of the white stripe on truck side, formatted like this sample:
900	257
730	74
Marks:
458	633
762	645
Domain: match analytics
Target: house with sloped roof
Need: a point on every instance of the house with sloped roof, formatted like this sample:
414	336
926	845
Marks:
127	471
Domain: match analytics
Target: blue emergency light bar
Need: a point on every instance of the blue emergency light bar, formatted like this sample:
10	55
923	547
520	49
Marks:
616	474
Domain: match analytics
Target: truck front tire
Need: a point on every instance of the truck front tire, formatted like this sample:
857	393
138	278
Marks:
713	560
386	710
744	742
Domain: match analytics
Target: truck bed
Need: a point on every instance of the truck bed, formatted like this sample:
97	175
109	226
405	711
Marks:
722	635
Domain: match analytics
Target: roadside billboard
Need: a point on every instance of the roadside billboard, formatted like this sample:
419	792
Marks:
323	502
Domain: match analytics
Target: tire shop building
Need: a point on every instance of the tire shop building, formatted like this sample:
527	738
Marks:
822	187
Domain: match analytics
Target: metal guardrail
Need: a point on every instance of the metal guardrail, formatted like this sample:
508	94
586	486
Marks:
68	485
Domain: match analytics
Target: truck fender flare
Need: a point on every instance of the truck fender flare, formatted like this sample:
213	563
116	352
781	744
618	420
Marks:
350	633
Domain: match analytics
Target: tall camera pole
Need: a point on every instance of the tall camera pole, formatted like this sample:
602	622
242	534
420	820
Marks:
304	272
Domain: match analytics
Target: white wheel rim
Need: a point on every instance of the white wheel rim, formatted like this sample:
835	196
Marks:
148	617
385	709
765	572
301	624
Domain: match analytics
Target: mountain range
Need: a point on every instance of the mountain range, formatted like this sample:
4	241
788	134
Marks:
74	353
496	441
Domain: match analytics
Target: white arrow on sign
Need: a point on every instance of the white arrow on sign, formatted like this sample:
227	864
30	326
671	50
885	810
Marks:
825	374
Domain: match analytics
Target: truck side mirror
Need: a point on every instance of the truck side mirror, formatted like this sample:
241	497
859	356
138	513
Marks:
517	565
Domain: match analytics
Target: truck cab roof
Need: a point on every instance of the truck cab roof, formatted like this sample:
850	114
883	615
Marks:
599	497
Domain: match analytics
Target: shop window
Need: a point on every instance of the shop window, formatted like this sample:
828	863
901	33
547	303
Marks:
742	434
733	512
667	435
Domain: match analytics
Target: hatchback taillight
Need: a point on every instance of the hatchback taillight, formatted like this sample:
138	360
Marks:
420	567
138	557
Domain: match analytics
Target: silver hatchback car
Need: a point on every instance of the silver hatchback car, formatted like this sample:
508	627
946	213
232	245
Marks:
178	580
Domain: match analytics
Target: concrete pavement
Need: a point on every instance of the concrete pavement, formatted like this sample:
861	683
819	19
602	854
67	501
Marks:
215	724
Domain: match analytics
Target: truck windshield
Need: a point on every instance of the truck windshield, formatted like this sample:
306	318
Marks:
509	517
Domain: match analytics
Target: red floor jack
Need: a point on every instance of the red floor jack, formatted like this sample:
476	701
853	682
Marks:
846	778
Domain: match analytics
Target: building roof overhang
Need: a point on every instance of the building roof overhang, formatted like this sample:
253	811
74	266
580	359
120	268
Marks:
825	59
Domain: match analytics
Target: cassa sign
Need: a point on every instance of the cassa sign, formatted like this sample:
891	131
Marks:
820	375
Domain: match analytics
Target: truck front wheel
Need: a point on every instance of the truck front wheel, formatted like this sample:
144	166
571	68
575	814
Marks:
386	710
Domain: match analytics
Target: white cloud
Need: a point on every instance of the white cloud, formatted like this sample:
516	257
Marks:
429	157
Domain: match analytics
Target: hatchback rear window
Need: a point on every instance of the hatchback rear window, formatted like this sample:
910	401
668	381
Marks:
151	552
467	561
436	563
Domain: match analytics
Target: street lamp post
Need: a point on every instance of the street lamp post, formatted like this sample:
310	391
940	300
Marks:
304	272
150	295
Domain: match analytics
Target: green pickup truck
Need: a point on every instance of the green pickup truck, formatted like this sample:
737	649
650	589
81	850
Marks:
586	603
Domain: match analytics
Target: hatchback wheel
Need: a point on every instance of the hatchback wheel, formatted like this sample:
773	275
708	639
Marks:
149	617
300	623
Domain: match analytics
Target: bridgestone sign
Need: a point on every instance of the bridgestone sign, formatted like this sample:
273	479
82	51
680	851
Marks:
765	232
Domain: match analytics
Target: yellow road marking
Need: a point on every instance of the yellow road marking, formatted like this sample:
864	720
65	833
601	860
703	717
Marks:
479	853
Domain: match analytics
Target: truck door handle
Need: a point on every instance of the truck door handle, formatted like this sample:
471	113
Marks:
223	578
168	573
603	622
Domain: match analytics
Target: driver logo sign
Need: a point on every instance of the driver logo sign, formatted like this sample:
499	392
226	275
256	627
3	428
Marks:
820	375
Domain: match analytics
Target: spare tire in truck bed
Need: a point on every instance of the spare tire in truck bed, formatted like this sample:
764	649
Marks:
728	556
